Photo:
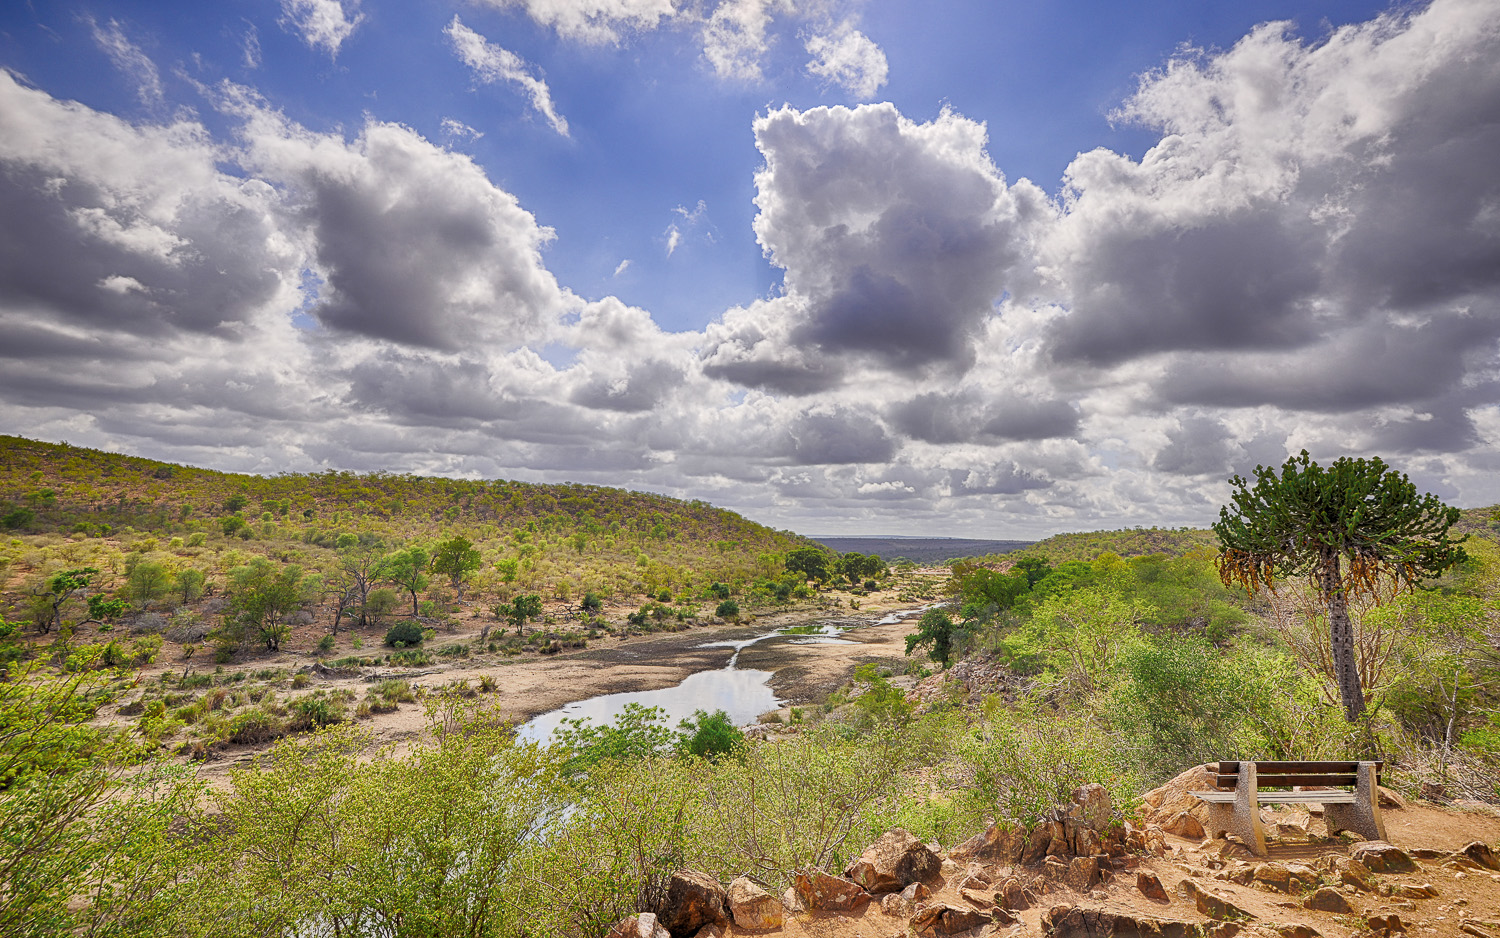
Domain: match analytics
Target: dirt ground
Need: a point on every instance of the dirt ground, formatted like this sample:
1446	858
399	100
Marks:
1464	897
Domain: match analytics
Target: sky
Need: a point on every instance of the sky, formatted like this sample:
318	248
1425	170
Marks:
971	269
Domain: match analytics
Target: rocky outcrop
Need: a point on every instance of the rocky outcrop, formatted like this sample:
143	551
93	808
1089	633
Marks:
940	919
693	900
893	862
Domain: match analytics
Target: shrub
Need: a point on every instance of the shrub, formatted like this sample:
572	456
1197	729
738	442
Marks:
254	726
592	603
404	634
728	609
314	712
325	644
710	735
197	539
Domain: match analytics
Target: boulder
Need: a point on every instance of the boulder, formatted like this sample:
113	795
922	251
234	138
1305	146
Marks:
895	905
1353	874
893	862
792	902
643	925
1388	922
751	907
821	892
942	919
978	898
1381	857
1184	824
1274	875
709	931
1413	891
1012	894
1328	899
1002	842
694	899
1150	886
916	892
1066	921
1082	874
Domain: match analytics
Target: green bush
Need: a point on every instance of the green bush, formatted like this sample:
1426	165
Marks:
325	644
710	735
404	634
728	609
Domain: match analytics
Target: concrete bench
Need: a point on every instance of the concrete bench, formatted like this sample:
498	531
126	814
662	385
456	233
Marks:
1237	809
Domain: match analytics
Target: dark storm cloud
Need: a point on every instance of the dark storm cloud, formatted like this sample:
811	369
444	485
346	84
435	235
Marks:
841	436
1197	446
943	418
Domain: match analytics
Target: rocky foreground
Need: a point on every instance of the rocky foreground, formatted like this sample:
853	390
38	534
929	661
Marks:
1085	871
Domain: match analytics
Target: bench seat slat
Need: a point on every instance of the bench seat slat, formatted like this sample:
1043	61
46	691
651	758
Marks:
1282	797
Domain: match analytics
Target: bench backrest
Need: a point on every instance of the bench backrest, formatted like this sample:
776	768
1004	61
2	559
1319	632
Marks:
1287	774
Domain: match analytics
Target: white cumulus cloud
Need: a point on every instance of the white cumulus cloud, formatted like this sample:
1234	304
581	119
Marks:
322	24
850	60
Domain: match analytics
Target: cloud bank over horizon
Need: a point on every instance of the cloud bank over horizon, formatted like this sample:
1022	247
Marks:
1307	256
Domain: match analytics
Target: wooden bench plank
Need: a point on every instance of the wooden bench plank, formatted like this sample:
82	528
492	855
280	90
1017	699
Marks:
1272	768
1287	781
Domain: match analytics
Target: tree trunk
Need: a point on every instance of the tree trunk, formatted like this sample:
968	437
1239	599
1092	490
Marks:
1341	641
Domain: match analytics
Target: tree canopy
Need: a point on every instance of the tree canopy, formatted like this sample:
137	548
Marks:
1350	528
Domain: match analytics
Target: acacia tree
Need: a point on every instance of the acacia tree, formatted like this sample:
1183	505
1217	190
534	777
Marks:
456	558
408	570
1350	529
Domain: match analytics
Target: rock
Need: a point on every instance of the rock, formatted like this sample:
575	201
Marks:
643	925
821	892
1433	791
792	902
1275	876
1328	899
709	931
1002	842
895	905
893	862
1150	886
1381	857
978	898
1303	877
694	899
1291	931
1389	799
1482	854
752	907
1066	921
1410	891
940	919
1082	874
1184	824
916	892
1094	806
1055	869
1389	922
1012	894
1353	874
1211	904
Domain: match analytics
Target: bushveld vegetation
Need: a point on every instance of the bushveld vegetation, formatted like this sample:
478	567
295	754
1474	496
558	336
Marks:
1120	668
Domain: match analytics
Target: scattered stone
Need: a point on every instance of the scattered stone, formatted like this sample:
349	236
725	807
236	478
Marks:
1303	877
895	905
1002	842
821	892
1150	886
1388	922
893	862
1482	854
1381	857
1292	931
643	925
1389	799
1409	891
1328	899
1067	921
694	899
1469	928
752	907
978	898
916	892
941	919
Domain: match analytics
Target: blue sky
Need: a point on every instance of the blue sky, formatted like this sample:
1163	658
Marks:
772	253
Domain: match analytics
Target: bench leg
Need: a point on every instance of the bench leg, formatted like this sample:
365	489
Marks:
1363	816
1242	818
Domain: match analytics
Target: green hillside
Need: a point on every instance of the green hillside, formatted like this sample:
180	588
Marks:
566	539
1127	542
